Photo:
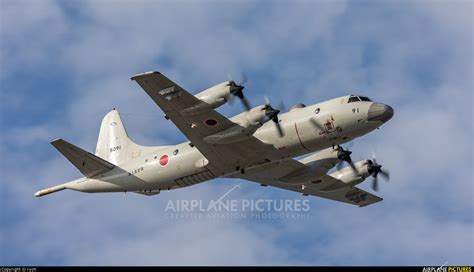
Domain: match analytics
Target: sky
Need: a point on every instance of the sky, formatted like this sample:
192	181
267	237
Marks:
65	64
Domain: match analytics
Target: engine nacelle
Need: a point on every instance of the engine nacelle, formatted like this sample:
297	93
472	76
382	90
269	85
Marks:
217	95
246	125
348	176
254	118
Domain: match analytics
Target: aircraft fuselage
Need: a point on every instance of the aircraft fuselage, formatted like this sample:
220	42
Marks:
183	164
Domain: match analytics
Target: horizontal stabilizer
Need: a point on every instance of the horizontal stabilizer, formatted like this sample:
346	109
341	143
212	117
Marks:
88	164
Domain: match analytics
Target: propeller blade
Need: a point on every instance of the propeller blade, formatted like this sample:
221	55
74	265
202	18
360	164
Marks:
339	165
282	106
279	129
345	156
375	169
277	124
385	174
246	103
317	124
243	79
351	165
267	101
231	99
237	90
272	113
354	169
375	185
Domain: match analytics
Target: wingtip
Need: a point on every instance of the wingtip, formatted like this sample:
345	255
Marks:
57	140
144	74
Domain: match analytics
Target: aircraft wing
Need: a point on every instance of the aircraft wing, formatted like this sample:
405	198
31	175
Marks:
178	105
272	174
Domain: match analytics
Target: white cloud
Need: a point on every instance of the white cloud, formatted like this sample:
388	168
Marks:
28	30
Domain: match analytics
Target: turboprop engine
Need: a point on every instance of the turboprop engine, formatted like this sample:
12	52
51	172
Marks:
217	95
246	125
221	93
319	164
351	176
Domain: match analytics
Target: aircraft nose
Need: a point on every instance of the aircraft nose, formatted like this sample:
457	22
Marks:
379	112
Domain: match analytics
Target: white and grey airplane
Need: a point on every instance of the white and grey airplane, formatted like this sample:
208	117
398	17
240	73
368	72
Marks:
258	144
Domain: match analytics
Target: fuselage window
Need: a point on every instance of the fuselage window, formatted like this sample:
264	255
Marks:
317	110
353	99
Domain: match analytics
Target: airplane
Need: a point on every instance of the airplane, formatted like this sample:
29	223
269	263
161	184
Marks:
258	145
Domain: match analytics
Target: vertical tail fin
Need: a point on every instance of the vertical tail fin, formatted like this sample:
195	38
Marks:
113	144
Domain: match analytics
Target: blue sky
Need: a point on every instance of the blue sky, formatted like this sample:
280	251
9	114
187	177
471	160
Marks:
64	65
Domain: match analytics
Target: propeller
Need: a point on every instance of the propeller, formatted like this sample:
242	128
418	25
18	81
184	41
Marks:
317	124
272	114
374	170
345	156
236	89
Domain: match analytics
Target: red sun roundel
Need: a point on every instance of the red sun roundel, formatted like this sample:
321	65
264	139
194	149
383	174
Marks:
164	160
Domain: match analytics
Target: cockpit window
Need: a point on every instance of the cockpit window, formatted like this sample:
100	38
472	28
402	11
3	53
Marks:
353	99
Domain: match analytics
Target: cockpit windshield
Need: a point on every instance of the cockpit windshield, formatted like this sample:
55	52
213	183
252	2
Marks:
355	98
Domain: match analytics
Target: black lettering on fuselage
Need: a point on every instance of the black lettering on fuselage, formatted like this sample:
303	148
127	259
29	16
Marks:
115	148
